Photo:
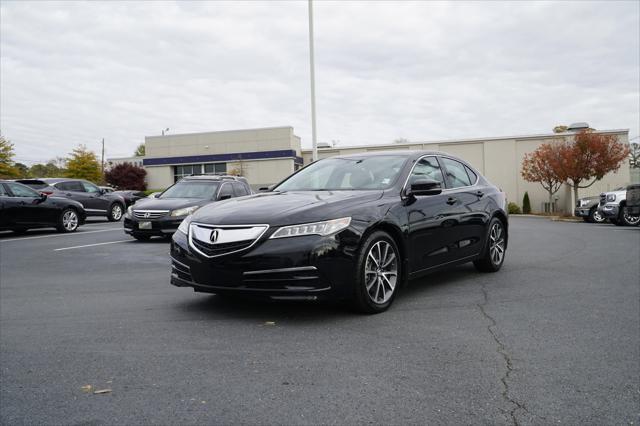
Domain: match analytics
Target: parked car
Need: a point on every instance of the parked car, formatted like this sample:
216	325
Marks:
354	226
22	208
612	206
130	196
96	201
632	206
587	209
161	216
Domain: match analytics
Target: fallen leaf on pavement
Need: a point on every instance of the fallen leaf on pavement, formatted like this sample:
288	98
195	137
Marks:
86	388
101	391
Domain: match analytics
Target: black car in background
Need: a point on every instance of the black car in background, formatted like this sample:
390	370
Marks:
354	227
161	215
96	202
22	208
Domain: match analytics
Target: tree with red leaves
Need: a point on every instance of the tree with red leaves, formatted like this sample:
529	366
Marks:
588	157
127	176
541	166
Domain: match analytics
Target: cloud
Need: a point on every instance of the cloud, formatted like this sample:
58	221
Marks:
74	73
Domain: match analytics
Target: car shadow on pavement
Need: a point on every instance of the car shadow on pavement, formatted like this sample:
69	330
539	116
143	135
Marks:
267	310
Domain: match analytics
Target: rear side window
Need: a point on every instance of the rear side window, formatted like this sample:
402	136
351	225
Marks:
3	192
456	173
70	186
239	189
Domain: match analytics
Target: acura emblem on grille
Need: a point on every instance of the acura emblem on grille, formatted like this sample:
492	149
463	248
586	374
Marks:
147	215
214	235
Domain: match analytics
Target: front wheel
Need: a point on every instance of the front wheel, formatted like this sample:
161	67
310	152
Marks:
494	249
115	212
595	216
68	221
378	274
628	219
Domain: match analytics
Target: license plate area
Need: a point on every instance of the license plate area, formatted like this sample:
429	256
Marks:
144	225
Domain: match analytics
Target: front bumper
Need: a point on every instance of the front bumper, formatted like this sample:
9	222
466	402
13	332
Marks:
609	210
308	267
159	227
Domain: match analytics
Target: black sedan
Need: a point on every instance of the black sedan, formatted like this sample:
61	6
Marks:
353	227
22	208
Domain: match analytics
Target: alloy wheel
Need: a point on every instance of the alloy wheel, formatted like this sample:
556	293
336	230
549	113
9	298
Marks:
631	220
116	212
597	216
381	272
496	244
70	220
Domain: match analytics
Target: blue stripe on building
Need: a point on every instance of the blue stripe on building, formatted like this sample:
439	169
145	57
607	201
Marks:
235	156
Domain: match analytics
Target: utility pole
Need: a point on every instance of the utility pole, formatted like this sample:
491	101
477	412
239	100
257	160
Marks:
314	142
102	158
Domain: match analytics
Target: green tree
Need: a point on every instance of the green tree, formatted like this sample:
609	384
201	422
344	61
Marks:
51	169
7	169
526	204
140	150
84	164
23	170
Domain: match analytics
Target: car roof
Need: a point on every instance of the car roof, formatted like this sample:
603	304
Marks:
216	178
409	153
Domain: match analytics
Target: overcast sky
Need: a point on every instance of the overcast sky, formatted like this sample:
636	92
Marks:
74	73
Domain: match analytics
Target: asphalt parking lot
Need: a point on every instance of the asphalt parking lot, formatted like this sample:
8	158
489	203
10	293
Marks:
553	338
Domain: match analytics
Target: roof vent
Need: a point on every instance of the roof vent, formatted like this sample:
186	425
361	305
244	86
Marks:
578	126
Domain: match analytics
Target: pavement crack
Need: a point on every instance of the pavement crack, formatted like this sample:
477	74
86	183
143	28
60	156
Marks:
515	404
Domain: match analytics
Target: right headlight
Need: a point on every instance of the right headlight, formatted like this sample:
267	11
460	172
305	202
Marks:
327	227
611	197
184	225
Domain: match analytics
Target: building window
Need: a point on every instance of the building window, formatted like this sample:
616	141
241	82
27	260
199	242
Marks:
198	169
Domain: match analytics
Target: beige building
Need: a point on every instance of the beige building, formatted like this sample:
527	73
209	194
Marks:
265	156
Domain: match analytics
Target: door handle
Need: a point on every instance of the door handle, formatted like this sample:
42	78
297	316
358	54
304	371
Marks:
479	193
452	200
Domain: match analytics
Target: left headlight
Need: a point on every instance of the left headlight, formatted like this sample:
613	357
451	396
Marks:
184	225
185	211
317	228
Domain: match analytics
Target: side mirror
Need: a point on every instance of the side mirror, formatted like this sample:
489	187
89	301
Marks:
224	197
263	189
422	187
43	197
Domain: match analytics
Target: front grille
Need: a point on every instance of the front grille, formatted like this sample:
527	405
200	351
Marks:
149	214
220	249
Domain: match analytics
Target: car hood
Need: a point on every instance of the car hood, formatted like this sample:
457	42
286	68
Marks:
168	203
284	208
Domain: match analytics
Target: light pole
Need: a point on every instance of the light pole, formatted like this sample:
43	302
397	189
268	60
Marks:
165	130
314	143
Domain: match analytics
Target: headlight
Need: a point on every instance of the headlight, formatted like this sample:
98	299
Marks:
317	228
611	197
584	203
130	211
184	225
184	212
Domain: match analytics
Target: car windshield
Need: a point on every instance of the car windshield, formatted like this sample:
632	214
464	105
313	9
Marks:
204	190
353	173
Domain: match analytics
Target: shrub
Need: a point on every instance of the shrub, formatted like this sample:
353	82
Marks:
526	204
514	208
127	176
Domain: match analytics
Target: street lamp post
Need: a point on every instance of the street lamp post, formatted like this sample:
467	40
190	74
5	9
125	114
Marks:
314	143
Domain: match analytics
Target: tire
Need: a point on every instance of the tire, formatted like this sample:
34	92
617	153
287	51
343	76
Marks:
115	212
627	219
595	216
141	237
68	221
378	272
495	248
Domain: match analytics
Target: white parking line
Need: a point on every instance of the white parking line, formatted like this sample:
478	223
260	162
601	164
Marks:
93	245
60	235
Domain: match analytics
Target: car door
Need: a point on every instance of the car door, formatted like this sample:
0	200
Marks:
8	207
27	205
427	219
95	199
74	190
466	203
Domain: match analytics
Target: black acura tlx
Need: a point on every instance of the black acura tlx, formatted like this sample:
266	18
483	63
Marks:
355	226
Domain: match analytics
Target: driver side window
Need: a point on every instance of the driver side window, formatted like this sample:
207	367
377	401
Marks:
427	168
90	188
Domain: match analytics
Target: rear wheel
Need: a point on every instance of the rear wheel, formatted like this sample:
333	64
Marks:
68	221
140	237
115	212
494	249
378	274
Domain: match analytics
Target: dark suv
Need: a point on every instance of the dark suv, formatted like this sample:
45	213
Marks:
161	216
96	201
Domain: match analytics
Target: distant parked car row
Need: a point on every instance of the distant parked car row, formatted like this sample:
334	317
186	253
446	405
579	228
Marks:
620	207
